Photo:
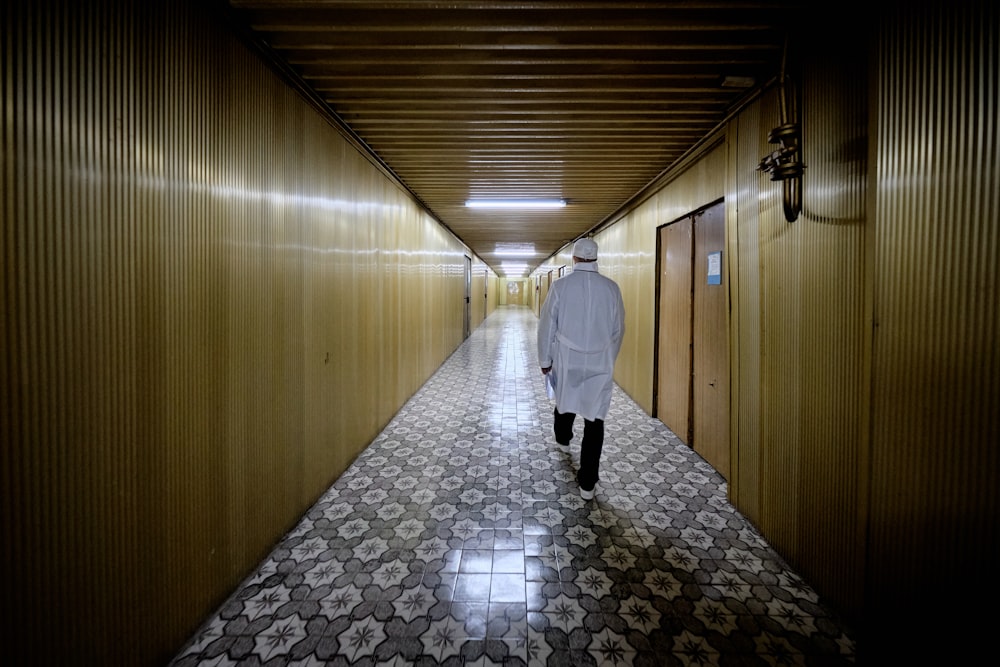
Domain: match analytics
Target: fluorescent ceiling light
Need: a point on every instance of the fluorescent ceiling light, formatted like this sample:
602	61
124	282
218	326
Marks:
515	250
516	203
511	269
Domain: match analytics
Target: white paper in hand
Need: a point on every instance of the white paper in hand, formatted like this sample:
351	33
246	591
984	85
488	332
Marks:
550	385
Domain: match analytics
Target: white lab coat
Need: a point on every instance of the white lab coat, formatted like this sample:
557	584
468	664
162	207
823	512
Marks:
580	331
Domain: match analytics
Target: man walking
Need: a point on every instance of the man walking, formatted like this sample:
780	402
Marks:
580	331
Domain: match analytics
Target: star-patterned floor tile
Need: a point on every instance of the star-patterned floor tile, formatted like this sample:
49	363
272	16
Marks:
458	537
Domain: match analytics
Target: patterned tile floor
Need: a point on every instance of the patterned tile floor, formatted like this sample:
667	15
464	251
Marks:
459	538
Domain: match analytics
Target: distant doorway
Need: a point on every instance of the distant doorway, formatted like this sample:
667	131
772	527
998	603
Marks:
466	326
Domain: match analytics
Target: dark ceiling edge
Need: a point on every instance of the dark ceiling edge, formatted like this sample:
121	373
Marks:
712	139
228	15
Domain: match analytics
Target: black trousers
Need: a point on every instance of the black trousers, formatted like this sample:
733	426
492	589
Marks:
590	448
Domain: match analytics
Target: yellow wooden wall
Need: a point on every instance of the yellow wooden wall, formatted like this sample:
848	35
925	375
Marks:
800	325
211	303
934	463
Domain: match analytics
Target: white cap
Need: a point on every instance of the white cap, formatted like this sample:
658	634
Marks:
585	249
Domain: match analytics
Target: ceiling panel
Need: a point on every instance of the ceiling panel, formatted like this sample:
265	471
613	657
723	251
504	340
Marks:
583	101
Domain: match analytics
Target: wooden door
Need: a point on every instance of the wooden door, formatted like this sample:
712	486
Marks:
710	380
673	400
467	312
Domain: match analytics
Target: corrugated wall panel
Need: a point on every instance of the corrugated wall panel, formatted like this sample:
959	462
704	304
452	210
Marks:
743	222
781	379
835	318
934	459
212	302
799	327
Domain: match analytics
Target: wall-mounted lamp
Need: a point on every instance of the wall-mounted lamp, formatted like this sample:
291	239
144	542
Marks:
783	163
515	203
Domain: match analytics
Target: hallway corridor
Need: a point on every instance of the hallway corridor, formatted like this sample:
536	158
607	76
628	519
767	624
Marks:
458	537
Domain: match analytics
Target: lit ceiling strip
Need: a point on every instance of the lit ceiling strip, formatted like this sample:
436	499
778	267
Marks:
516	203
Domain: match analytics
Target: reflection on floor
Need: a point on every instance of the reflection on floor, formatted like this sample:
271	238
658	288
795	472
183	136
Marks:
459	538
